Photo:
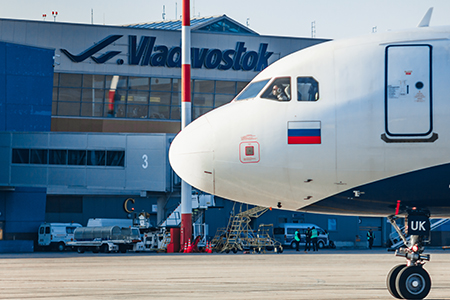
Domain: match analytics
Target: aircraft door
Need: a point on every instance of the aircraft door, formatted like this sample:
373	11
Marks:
408	92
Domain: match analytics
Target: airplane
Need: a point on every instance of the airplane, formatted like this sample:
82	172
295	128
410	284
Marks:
351	127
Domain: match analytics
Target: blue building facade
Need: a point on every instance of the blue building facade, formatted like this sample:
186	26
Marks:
26	80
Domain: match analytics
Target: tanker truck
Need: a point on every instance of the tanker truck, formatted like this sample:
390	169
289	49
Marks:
105	239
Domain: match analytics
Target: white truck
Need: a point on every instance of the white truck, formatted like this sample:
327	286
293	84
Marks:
56	235
105	239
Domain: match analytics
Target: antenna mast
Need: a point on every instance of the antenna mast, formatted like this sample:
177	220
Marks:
313	29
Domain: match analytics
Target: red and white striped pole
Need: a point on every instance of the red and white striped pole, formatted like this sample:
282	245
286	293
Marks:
186	190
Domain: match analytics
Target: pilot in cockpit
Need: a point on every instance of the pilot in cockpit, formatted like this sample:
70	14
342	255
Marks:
279	93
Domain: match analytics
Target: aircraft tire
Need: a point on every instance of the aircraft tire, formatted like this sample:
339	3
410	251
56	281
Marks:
413	283
391	278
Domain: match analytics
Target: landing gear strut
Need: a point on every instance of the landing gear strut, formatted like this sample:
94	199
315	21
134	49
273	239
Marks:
410	280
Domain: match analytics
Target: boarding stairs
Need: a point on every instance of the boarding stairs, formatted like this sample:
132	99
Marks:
199	204
199	227
398	242
239	234
165	241
174	219
219	239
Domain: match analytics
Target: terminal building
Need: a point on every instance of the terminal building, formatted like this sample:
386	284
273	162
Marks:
88	113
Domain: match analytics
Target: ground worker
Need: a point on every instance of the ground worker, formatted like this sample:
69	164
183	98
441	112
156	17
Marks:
370	238
314	235
308	239
297	239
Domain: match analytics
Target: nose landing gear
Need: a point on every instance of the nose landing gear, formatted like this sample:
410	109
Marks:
411	280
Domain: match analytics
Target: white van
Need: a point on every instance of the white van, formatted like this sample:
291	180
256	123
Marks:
285	232
56	235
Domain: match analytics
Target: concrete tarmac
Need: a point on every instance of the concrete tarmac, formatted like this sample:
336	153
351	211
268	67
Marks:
328	274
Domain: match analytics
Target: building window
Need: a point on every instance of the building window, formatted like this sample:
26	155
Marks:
139	83
20	156
77	157
38	156
96	158
332	224
70	80
221	99
68	108
93	81
106	96
58	157
111	158
115	158
92	102
159	111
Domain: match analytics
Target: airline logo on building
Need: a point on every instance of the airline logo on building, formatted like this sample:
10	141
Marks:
148	53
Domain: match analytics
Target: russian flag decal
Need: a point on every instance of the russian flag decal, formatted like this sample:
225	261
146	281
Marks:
305	132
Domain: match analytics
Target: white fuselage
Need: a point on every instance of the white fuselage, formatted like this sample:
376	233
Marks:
382	110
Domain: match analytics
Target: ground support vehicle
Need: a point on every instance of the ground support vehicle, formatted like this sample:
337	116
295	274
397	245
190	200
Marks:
97	246
285	232
264	241
105	239
56	235
152	240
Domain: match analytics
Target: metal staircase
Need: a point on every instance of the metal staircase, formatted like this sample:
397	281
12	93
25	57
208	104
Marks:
239	234
199	203
165	241
174	219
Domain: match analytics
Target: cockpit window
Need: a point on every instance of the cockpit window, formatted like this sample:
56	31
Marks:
279	89
252	90
307	89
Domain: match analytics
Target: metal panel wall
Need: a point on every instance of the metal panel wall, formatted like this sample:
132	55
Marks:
144	169
24	212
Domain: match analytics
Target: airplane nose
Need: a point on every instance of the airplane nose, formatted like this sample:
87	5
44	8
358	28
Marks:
191	155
